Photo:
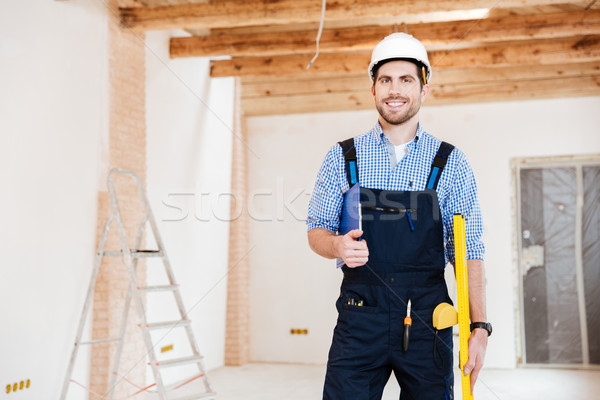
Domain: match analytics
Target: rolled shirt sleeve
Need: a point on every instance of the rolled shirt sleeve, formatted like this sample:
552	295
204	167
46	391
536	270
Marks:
327	197
463	199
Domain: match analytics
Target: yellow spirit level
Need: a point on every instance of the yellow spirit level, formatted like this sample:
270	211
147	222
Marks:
462	294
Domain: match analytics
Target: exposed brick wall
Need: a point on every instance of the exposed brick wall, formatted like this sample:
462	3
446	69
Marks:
237	331
127	149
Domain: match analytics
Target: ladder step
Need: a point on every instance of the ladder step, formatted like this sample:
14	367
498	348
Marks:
135	253
146	253
164	288
174	362
100	341
169	324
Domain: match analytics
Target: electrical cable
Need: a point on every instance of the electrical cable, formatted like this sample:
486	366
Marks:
319	34
140	389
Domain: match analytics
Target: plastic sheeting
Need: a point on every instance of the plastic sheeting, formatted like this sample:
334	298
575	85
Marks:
591	257
535	310
548	264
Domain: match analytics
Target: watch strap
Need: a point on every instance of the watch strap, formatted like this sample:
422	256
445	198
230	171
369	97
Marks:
483	325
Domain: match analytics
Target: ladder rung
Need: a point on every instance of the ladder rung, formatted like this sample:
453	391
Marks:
145	253
196	396
168	324
135	253
174	362
113	254
100	341
164	288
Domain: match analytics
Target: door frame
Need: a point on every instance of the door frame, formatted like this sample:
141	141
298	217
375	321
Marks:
517	165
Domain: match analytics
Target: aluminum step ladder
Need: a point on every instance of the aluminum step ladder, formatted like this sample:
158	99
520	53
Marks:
130	258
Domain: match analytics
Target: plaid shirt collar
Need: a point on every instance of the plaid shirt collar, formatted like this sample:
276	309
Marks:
379	136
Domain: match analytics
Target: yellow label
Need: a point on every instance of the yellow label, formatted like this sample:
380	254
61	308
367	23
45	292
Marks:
299	331
166	348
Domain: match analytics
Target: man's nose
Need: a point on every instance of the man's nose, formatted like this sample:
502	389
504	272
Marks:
396	87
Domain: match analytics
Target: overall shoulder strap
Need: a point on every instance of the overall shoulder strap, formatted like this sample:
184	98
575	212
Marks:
349	152
439	162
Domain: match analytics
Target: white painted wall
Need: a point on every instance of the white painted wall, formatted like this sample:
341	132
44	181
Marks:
294	288
54	130
53	117
189	122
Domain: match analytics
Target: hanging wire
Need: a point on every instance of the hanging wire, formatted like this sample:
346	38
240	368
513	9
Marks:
318	34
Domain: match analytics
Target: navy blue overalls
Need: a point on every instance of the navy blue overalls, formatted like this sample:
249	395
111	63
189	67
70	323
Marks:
404	234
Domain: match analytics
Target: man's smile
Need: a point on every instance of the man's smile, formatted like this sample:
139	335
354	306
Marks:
395	103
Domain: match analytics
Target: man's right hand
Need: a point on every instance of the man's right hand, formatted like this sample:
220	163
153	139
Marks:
355	253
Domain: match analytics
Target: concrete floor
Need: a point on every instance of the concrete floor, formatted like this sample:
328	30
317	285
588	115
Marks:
301	382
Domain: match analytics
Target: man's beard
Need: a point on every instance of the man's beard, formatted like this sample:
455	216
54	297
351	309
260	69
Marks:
392	119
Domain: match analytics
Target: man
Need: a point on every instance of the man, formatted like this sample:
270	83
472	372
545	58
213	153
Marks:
411	184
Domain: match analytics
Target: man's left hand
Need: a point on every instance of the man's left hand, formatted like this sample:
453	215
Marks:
477	346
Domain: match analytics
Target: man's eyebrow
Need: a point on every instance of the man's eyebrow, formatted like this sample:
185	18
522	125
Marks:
401	77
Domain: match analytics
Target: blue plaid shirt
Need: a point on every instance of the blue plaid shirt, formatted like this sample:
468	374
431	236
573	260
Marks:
456	191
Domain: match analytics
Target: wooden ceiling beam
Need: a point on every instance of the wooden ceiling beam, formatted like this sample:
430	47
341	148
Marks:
235	13
507	28
529	53
288	86
449	94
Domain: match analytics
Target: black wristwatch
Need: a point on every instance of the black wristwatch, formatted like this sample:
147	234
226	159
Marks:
483	325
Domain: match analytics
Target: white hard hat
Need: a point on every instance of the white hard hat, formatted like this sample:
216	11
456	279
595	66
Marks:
402	46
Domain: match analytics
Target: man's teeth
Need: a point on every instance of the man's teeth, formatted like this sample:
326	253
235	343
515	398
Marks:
395	104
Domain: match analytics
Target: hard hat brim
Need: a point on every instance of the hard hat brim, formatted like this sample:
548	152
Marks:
420	64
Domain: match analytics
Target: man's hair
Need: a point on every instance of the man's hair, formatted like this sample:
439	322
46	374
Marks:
419	65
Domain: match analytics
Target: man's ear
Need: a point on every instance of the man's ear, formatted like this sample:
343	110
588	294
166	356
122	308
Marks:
373	90
424	92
